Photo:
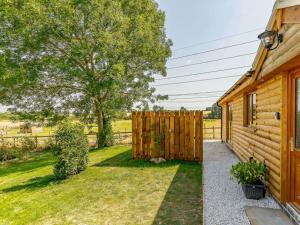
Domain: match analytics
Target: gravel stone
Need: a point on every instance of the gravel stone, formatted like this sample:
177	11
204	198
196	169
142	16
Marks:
224	200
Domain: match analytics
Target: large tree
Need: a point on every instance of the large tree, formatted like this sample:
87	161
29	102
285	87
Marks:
86	57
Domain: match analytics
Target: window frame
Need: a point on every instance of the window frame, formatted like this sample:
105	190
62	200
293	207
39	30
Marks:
250	109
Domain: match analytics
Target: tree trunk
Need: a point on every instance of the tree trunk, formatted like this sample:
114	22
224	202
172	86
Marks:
105	134
99	115
107	137
100	128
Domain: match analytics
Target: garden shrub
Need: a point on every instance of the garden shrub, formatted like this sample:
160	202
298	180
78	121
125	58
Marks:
250	172
49	145
7	153
71	150
27	145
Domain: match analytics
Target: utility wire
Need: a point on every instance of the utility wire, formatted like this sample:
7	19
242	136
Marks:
201	97
214	60
192	81
177	108
204	92
176	102
206	72
218	39
213	50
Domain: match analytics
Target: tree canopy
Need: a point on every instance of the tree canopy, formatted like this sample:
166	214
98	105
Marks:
85	57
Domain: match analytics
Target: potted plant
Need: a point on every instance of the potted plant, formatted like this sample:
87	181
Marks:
253	176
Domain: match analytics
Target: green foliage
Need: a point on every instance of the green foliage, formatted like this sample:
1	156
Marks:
5	116
21	151
86	57
106	137
71	150
215	112
7	153
249	172
50	145
157	108
121	115
27	145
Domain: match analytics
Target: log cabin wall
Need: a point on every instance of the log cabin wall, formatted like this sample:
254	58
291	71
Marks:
287	51
268	140
224	125
261	142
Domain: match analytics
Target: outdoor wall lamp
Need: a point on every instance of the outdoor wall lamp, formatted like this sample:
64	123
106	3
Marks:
268	39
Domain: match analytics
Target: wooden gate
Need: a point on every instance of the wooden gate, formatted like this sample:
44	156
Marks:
172	135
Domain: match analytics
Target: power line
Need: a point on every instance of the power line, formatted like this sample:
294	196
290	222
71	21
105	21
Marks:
218	39
177	108
176	102
213	50
214	60
192	81
201	97
204	92
206	72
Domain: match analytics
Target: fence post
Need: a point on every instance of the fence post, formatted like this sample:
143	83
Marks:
14	142
36	141
213	132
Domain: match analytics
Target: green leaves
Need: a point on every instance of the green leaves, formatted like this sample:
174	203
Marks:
70	56
71	150
249	172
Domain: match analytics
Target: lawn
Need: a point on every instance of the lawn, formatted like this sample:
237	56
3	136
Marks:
113	190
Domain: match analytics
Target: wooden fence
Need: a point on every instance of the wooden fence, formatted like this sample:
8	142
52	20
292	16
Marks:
172	135
43	140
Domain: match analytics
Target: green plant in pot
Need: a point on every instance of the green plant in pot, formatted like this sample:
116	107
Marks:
253	176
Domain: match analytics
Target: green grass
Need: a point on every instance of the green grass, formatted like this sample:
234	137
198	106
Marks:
121	125
113	190
5	116
212	123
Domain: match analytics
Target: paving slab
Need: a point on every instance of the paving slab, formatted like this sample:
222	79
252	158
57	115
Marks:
266	216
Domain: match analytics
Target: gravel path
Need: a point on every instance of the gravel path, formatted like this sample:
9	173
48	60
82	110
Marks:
224	199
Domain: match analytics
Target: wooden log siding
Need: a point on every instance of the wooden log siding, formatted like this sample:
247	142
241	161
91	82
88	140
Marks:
224	122
285	52
173	135
263	141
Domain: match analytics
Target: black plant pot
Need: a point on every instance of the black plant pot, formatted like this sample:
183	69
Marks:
254	191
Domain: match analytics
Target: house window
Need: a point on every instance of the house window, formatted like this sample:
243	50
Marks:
251	109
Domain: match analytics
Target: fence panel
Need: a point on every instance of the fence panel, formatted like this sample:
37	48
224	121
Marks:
173	135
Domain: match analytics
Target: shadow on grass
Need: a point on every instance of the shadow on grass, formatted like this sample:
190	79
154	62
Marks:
40	160
125	160
32	184
183	201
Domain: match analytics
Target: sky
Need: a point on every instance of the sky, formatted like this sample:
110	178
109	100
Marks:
190	22
193	23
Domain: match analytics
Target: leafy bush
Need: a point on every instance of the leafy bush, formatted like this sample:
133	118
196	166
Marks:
27	145
71	150
7	154
49	145
249	172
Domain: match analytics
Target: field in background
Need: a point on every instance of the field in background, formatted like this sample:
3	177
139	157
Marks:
9	128
10	132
